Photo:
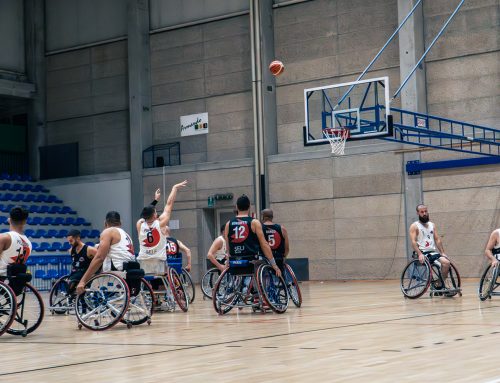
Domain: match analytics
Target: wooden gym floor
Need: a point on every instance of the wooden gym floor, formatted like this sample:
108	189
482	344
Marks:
346	331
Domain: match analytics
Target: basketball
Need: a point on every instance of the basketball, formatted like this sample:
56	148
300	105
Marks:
276	67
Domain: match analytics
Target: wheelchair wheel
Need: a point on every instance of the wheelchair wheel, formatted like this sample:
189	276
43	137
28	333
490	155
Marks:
225	292
415	279
272	288
140	308
188	284
454	281
178	291
8	307
60	301
29	314
487	282
104	302
208	281
292	285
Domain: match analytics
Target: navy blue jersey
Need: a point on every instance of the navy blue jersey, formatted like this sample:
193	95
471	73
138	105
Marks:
275	238
173	248
242	240
81	260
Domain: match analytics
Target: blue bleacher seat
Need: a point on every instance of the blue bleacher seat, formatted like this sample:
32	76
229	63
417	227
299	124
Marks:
80	221
69	221
40	233
18	197
34	246
29	198
51	274
62	233
44	209
25	178
56	246
39	189
51	233
30	233
58	221
66	210
35	221
31	261
44	246
92	244
85	233
53	261
27	188
41	198
51	198
66	246
16	187
33	209
3	220
55	210
6	196
47	221
5	186
66	261
42	261
39	273
4	231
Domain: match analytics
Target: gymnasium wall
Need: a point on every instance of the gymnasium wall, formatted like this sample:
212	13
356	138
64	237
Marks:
12	32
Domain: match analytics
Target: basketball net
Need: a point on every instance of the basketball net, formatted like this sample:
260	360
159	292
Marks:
337	139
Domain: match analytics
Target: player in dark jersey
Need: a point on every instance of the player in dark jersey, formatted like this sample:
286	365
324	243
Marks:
277	237
175	247
244	235
81	256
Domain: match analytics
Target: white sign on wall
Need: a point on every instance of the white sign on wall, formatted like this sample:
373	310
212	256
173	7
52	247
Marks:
194	124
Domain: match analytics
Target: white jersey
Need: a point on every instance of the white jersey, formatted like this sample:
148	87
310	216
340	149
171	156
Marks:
18	252
120	252
425	239
221	254
152	242
496	248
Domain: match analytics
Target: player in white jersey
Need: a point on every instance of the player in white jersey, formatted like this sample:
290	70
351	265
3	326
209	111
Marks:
493	247
15	247
115	248
425	240
152	228
217	254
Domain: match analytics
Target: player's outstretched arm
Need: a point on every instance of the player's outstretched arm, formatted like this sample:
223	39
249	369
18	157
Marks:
104	245
266	249
167	211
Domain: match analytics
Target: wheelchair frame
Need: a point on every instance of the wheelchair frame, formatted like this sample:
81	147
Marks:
487	287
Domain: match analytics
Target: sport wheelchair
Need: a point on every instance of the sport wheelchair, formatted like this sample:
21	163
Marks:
489	280
21	306
418	277
247	284
292	284
176	263
113	297
208	282
61	299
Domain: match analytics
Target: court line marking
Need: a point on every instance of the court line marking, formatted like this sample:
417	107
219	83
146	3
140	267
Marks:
238	341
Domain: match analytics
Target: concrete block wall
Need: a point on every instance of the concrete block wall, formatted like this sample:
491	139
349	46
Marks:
87	102
204	68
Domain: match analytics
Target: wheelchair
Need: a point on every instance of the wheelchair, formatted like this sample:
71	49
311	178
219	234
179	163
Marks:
245	284
291	283
113	297
27	306
168	289
418	277
489	280
61	299
208	282
176	263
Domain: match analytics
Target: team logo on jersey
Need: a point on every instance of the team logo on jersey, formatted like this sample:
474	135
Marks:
239	231
171	248
273	238
23	252
152	238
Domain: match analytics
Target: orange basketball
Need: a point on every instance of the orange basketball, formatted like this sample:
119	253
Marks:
276	67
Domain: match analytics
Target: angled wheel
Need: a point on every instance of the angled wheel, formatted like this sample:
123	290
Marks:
104	302
225	292
188	284
454	281
140	308
29	314
60	300
8	307
415	279
178	291
208	281
293	285
487	282
272	289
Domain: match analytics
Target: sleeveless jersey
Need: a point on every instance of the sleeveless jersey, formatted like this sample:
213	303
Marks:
274	236
152	242
172	248
242	240
81	260
120	252
221	254
18	252
425	239
496	248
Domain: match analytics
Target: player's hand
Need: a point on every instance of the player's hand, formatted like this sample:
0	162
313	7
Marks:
188	267
277	269
80	289
157	194
180	185
421	258
494	262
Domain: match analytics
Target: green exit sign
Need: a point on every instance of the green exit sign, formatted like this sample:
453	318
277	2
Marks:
223	197
211	201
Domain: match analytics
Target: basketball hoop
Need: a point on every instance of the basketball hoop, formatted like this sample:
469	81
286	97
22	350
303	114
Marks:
337	139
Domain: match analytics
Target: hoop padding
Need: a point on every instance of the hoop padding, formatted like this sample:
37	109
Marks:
337	139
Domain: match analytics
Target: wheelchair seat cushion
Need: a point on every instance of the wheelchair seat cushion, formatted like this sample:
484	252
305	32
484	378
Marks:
133	278
132	265
15	269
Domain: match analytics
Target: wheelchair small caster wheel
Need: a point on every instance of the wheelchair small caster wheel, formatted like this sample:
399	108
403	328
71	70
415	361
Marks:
149	322
24	333
129	325
79	326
